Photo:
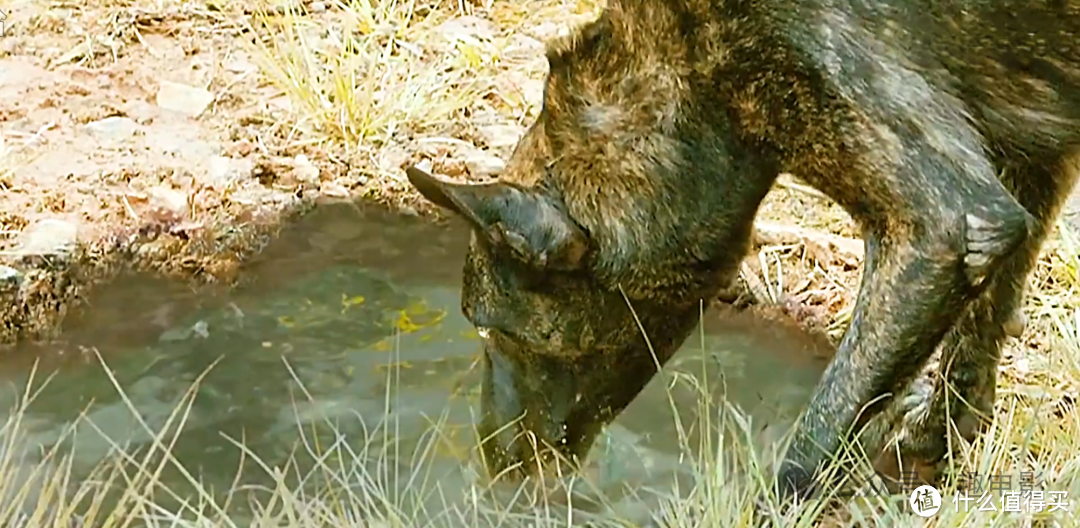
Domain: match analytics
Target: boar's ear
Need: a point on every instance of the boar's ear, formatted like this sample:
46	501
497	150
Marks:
528	223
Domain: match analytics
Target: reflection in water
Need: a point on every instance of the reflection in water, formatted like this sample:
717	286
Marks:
343	307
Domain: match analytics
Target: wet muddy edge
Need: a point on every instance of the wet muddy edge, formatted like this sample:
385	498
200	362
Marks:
147	161
37	292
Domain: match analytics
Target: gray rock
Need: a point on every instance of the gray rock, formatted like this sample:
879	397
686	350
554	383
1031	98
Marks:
113	128
50	237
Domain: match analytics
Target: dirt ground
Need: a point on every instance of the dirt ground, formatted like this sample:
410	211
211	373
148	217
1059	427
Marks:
137	134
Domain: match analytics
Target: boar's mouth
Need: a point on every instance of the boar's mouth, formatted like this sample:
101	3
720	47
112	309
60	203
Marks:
540	413
534	413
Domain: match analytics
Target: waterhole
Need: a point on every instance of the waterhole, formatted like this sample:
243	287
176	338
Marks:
346	336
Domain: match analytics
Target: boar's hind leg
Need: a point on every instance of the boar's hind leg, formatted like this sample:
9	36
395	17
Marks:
968	356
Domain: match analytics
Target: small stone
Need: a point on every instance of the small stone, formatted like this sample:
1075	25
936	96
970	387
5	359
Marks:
9	277
225	171
168	204
501	136
50	237
113	128
334	190
304	170
484	164
317	7
182	98
201	329
1022	366
425	165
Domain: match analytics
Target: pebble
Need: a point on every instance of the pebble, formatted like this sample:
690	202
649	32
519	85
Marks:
225	171
484	164
9	277
49	237
182	98
333	189
501	136
169	204
304	170
113	128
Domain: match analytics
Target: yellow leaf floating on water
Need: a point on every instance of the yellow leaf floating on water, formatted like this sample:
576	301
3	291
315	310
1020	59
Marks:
405	323
404	365
406	320
348	302
286	321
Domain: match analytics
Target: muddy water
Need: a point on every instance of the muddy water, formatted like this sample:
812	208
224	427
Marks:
348	329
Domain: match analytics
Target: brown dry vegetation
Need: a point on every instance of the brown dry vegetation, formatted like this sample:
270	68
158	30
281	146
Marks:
177	135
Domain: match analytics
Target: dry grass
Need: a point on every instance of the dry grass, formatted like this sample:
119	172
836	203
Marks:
378	83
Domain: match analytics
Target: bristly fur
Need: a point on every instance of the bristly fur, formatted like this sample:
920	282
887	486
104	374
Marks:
947	129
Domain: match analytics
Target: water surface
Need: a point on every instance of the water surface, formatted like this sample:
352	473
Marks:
350	320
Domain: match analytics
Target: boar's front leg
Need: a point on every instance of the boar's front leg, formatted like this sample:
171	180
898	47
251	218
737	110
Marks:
959	388
937	224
